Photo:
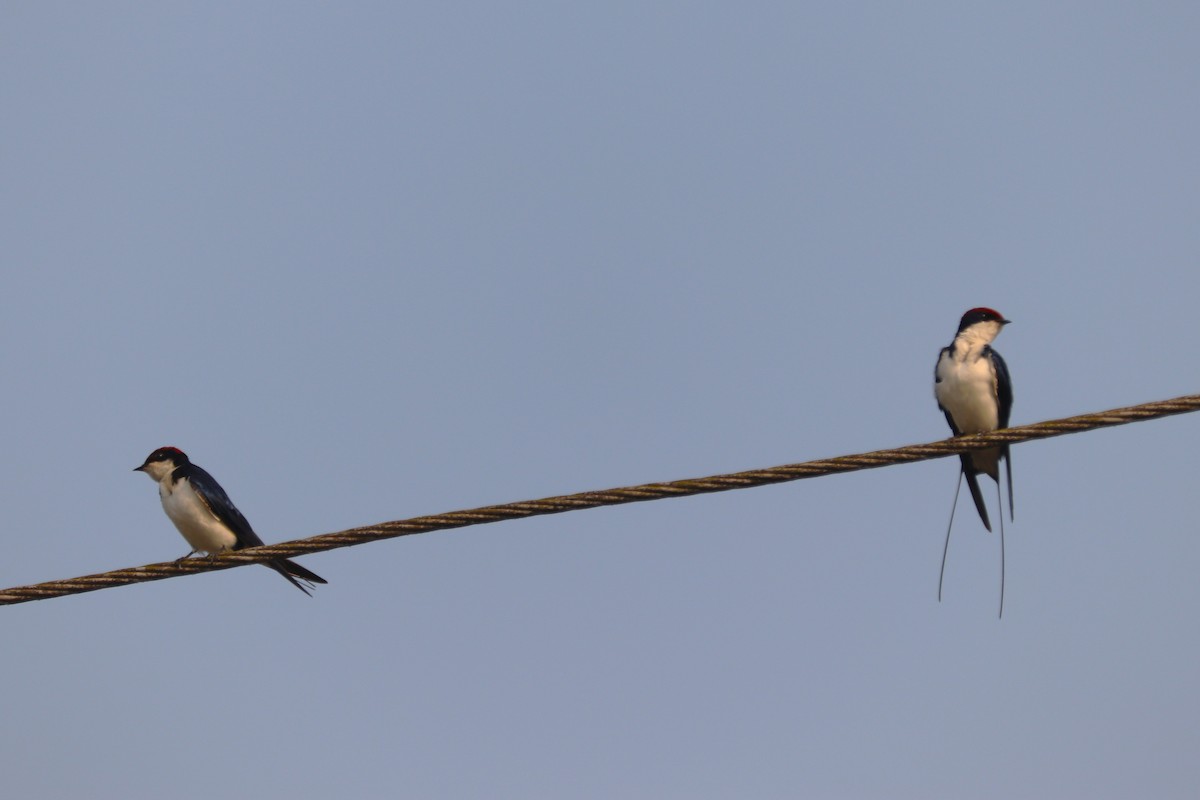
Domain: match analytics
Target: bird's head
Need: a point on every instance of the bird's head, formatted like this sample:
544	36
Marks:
982	323
162	462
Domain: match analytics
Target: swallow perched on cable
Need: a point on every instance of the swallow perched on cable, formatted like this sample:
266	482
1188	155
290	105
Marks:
974	391
205	515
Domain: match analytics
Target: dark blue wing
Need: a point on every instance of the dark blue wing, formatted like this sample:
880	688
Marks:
1004	392
1004	398
220	505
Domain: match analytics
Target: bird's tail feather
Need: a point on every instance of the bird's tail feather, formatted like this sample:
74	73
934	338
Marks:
291	570
999	502
1008	470
946	546
976	495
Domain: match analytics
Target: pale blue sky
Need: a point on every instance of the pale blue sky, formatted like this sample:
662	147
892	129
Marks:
365	261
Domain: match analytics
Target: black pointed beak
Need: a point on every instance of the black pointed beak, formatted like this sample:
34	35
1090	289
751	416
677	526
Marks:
1005	321
142	468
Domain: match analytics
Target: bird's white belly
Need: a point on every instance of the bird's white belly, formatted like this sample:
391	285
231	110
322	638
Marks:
191	516
968	391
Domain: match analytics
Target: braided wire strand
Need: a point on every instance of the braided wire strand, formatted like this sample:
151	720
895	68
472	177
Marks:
607	497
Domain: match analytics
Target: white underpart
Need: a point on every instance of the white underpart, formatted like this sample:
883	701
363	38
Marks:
966	387
203	531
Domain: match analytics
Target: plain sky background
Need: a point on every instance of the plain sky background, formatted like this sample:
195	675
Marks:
365	261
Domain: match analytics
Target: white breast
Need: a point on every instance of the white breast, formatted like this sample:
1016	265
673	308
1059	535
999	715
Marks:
203	531
966	388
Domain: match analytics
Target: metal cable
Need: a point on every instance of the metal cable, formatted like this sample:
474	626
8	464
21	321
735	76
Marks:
608	497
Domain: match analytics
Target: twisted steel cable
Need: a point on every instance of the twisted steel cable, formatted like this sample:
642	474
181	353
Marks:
607	497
